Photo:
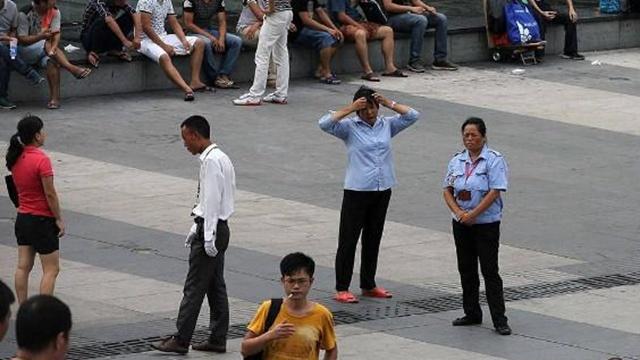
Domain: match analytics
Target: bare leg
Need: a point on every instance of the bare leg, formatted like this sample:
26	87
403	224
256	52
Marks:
62	60
386	34
325	61
362	50
172	73
53	78
196	64
26	256
50	270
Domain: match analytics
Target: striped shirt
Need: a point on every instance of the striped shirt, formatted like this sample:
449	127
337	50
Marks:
100	9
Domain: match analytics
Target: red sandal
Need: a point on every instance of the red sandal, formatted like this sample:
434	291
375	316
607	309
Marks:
377	292
346	297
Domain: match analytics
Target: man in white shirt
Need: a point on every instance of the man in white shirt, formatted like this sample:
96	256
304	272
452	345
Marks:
208	240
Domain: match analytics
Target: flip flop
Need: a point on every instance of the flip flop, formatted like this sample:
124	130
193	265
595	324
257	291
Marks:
331	80
188	96
124	56
396	73
83	74
370	77
95	57
52	105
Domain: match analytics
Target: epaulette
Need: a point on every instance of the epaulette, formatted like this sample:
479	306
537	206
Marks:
496	153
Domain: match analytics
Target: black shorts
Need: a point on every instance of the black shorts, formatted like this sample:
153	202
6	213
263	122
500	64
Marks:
40	232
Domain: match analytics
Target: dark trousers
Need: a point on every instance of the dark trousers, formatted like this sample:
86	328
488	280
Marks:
6	65
570	29
473	243
362	212
205	277
99	37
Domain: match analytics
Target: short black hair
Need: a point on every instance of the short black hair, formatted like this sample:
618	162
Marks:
198	124
479	123
6	299
39	321
367	93
295	262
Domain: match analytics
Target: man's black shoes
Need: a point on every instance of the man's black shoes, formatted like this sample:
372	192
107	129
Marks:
207	346
466	321
503	329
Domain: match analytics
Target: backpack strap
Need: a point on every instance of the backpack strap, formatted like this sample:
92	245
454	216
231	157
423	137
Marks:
274	309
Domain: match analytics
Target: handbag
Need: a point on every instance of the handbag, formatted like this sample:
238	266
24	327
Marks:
373	11
610	6
11	189
522	27
274	309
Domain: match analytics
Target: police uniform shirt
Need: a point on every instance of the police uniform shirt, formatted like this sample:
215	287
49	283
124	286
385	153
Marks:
489	172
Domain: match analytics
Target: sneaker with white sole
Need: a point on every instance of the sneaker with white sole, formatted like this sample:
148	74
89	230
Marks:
416	66
247	100
6	104
275	99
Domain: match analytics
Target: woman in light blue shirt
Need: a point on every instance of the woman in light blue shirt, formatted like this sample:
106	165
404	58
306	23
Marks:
368	182
475	179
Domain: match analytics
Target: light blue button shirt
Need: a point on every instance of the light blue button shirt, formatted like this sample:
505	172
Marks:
370	162
491	172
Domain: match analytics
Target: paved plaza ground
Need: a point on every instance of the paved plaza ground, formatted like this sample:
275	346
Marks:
570	236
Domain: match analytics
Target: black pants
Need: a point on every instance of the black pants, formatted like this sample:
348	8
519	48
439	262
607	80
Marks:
99	37
206	277
473	243
362	212
6	65
570	29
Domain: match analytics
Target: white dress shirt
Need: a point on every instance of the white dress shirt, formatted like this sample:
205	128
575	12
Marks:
216	189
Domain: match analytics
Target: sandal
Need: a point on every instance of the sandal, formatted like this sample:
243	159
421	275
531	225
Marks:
370	77
53	105
396	73
346	297
188	96
93	59
124	56
83	74
223	84
331	80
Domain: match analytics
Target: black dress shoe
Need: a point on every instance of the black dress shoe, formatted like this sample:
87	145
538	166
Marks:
207	346
503	329
466	321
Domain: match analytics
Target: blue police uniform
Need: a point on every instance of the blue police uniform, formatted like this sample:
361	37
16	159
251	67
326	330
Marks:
479	242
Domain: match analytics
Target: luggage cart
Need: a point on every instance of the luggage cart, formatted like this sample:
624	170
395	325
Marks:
500	47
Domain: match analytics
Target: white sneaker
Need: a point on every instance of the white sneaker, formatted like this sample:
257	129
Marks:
247	100
275	98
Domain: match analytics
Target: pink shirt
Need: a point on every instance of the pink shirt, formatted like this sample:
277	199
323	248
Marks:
31	167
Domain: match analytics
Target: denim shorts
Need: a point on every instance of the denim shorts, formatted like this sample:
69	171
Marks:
315	39
34	54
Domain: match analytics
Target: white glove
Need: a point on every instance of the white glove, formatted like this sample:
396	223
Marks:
210	248
191	236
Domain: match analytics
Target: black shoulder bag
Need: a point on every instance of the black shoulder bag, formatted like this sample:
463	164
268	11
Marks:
274	309
11	189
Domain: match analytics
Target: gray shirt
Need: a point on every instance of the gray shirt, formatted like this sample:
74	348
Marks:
8	17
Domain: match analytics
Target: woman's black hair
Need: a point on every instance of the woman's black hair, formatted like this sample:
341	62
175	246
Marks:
28	127
479	123
367	93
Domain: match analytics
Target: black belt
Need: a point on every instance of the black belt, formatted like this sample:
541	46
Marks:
200	221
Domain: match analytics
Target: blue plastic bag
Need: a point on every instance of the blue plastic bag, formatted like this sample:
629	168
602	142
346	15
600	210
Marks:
522	27
610	6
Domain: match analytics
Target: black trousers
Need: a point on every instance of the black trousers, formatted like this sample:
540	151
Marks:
473	243
205	277
570	29
99	37
362	212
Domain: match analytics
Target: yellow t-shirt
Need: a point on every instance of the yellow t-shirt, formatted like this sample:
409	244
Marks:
314	331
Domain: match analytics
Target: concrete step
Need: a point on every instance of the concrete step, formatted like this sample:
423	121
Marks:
466	44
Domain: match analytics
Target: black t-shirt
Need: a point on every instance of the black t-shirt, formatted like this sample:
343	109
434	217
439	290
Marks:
302	5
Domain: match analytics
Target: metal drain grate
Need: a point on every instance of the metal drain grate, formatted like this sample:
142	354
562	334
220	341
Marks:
97	349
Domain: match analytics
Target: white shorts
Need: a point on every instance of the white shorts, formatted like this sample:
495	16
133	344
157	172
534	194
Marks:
151	50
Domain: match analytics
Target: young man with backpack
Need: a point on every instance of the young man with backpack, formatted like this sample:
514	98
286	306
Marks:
293	328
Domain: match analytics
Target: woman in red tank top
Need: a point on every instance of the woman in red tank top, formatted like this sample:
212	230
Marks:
39	222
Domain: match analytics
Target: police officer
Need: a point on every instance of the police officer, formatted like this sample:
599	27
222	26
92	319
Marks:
475	179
